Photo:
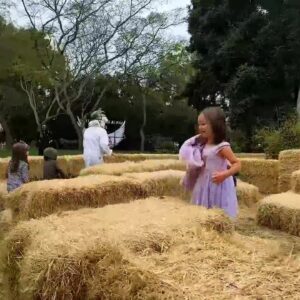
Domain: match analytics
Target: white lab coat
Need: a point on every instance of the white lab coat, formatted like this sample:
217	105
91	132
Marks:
95	146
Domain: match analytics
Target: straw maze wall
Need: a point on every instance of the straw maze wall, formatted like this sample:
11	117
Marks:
270	176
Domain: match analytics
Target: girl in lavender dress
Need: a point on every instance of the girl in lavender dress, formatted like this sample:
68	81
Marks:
207	157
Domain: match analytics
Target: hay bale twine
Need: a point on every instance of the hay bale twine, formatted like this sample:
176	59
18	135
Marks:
289	162
281	211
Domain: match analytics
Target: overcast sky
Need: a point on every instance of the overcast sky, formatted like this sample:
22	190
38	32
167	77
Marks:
172	4
165	5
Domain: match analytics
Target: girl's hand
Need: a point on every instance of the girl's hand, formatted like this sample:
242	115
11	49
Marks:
219	177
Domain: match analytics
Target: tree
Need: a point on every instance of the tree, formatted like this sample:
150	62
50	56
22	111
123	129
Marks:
95	37
246	59
12	98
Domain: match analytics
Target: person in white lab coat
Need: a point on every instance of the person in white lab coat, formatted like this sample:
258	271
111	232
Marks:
95	144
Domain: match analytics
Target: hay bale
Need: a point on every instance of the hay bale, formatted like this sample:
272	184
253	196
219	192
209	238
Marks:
281	211
251	155
36	170
261	173
94	253
3	193
41	198
3	168
75	164
63	164
6	220
119	157
247	194
161	183
289	162
167	183
35	164
132	167
295	182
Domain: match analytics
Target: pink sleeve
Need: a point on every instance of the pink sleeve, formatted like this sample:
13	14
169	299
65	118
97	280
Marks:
190	153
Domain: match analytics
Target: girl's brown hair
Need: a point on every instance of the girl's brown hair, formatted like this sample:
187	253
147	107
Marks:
19	153
215	116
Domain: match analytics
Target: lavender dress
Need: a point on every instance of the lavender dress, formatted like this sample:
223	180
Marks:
202	161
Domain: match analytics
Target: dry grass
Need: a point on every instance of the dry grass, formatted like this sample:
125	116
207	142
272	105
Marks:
41	198
153	249
134	167
281	211
289	162
261	173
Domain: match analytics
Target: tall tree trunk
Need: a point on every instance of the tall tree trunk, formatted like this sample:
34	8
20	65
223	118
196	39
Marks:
77	128
298	103
8	135
142	133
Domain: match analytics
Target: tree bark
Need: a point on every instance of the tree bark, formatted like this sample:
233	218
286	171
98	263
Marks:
8	135
77	128
142	133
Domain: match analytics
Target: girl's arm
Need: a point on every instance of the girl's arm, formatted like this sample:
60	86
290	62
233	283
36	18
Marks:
235	163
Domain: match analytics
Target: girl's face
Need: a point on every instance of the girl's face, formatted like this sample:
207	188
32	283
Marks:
205	129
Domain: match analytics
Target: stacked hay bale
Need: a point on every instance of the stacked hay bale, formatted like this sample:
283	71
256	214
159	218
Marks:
161	183
168	182
262	173
281	211
295	182
251	155
41	198
289	161
119	157
154	249
247	194
90	254
3	168
132	167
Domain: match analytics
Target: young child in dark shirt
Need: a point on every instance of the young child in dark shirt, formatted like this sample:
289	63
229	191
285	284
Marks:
51	170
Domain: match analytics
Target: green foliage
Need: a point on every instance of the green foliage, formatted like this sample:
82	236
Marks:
274	140
247	59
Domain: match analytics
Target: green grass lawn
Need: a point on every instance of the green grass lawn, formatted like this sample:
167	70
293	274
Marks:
33	152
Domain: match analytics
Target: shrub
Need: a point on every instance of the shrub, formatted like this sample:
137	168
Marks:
274	140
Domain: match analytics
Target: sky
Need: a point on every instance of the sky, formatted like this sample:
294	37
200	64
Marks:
181	30
164	5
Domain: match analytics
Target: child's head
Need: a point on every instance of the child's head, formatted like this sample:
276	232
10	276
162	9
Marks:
19	153
50	154
212	125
